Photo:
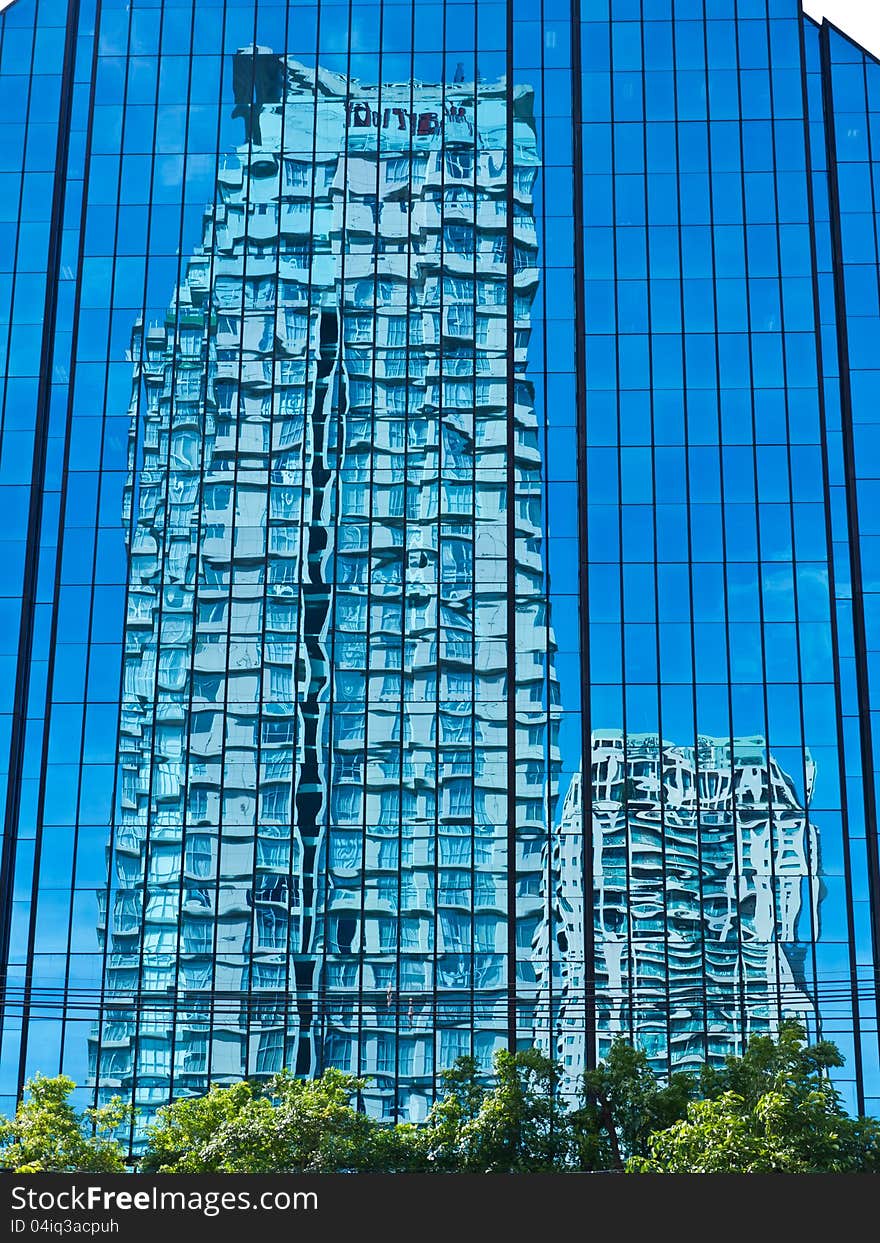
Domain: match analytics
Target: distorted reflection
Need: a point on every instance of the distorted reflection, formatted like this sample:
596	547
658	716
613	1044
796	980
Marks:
704	861
336	486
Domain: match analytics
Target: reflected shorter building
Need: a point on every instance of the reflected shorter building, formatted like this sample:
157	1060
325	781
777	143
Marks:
704	863
310	866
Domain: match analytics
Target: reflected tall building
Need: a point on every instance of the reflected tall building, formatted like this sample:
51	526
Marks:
705	884
311	862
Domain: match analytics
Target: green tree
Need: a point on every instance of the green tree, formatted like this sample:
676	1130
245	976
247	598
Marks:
289	1125
518	1124
768	1063
452	1141
772	1110
48	1135
622	1104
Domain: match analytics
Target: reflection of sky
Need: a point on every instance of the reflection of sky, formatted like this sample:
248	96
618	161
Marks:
411	43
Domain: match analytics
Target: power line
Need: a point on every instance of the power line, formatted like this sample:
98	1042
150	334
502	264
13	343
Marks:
454	1004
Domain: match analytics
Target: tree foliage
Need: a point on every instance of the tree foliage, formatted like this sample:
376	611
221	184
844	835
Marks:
515	1125
48	1135
289	1125
623	1103
773	1110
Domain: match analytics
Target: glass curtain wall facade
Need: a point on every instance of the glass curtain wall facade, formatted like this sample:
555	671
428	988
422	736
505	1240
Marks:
407	410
